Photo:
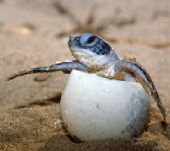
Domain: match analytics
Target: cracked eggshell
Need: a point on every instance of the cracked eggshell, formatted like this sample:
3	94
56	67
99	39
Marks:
94	108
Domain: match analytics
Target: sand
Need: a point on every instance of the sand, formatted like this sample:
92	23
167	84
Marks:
35	33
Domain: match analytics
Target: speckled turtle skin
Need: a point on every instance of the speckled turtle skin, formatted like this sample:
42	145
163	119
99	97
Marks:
94	55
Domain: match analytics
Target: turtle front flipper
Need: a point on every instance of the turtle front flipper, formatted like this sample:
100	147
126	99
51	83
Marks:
65	67
133	67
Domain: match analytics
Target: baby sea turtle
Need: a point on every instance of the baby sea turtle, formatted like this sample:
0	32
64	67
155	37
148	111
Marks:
94	55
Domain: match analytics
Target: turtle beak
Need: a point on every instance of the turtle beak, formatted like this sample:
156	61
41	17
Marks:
70	41
71	38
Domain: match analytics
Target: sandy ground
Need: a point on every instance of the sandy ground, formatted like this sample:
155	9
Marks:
35	33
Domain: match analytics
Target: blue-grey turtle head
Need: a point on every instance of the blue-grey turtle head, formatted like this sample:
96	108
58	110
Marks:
92	51
89	44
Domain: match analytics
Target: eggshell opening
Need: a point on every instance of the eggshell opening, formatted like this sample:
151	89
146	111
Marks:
94	108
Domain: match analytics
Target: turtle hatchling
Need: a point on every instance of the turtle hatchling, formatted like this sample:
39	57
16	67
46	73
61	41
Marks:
94	55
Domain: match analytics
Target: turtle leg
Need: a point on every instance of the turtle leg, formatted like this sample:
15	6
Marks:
66	67
133	67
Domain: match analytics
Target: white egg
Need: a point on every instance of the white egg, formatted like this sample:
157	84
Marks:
94	108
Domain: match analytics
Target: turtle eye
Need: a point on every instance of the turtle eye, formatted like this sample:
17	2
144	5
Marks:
91	39
87	39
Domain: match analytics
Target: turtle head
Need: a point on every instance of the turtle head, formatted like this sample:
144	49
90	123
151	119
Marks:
91	50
